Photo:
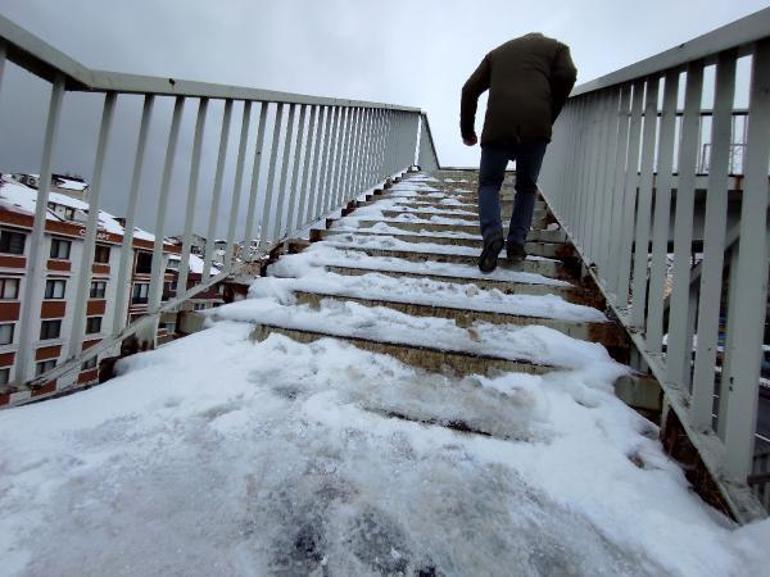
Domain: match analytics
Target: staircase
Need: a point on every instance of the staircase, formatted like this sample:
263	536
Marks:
408	256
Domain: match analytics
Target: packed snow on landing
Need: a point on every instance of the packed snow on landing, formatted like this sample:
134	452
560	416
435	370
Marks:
219	456
299	274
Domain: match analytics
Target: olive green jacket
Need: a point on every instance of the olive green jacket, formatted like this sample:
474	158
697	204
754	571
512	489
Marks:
529	79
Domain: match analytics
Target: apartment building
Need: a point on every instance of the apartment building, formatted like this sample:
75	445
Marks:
65	229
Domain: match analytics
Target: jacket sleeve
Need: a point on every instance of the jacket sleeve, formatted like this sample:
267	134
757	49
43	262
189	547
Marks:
563	76
473	88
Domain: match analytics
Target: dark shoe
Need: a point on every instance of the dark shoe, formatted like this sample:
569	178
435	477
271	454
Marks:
515	251
488	258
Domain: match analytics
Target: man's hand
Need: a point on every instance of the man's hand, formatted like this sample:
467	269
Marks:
470	140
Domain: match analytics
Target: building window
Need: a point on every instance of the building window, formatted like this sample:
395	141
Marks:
5	376
66	211
102	254
143	262
60	248
169	290
139	293
6	333
89	364
9	289
98	289
93	325
50	330
54	288
12	242
45	366
173	264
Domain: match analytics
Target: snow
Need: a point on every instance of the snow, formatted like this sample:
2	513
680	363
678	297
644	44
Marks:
383	227
278	458
389	242
63	182
196	264
219	455
323	253
298	274
15	196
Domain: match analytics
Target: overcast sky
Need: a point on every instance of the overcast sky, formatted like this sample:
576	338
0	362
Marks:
408	52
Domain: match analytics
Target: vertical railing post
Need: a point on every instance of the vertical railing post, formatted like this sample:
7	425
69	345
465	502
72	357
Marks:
599	132
237	186
618	186
311	157
192	194
320	187
331	162
644	204
629	197
92	225
341	159
301	142
157	271
586	129
251	211
2	62
349	152
679	348
25	355
607	184
281	201
216	195
741	381
123	288
357	154
714	229
267	207
660	233
364	181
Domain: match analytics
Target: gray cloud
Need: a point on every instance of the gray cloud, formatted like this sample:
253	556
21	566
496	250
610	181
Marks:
406	52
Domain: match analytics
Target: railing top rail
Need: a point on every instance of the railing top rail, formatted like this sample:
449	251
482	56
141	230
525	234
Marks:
739	34
42	59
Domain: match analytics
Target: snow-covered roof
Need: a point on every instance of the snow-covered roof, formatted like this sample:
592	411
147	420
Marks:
196	264
70	183
21	198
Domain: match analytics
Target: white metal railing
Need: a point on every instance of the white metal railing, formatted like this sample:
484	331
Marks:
311	155
609	179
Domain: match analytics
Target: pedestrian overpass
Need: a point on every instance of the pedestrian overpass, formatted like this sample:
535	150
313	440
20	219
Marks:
647	278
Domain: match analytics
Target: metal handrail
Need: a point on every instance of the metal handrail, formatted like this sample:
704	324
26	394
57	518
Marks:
609	179
736	35
312	155
45	61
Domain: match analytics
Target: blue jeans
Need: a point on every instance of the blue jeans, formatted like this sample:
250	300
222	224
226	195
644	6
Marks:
494	159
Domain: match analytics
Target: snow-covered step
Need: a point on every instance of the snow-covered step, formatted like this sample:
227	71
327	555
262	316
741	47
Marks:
425	213
544	249
355	263
602	332
421	356
568	292
422	252
461	211
431	343
419	226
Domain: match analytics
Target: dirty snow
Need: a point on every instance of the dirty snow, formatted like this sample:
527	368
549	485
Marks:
219	456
